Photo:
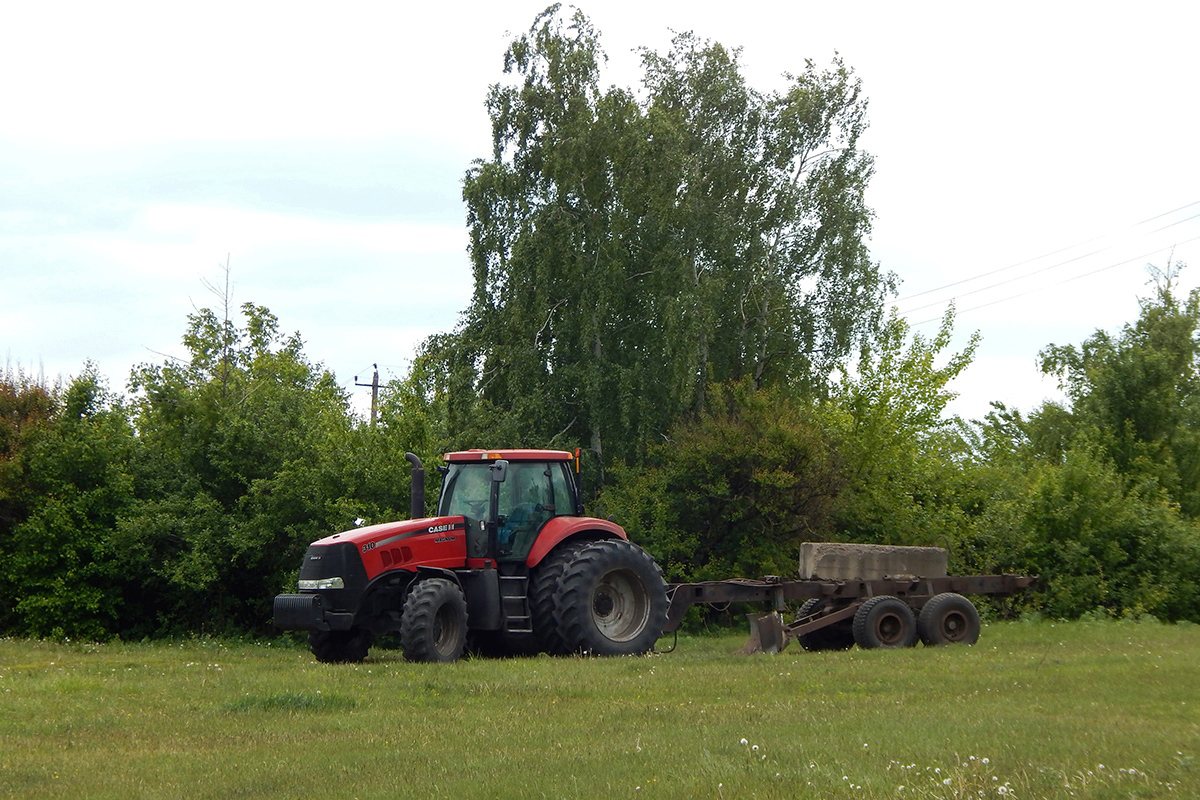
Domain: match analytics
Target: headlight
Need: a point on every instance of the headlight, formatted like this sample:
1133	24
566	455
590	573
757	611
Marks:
323	583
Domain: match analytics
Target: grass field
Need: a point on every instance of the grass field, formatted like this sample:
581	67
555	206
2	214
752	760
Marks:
1035	710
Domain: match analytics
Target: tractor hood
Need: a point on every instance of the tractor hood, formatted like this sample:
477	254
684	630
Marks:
430	542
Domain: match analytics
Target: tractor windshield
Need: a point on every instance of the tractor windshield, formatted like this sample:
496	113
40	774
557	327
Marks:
465	491
532	493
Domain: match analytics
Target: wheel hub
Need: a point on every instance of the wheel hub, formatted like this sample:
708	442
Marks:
603	604
620	605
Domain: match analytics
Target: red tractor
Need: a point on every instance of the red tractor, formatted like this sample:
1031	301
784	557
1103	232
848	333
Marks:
509	560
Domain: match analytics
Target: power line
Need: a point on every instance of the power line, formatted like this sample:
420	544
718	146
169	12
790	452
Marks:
1053	285
1050	254
1006	282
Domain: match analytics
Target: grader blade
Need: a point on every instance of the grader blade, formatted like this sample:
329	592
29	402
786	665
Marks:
767	634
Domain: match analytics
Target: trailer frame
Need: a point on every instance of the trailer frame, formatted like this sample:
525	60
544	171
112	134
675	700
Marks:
769	633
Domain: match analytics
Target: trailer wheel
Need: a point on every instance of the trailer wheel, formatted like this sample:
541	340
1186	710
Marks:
612	600
838	636
948	618
885	621
543	594
339	647
434	624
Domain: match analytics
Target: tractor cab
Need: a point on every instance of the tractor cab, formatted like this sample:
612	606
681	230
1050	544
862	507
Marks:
506	497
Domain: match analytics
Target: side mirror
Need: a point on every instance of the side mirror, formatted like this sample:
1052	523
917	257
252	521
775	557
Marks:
499	473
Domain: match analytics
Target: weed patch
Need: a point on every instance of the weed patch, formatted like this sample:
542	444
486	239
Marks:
291	702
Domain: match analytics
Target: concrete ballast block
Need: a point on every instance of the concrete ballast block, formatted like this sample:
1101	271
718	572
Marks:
835	561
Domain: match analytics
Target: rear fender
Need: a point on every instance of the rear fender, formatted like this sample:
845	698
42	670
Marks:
559	529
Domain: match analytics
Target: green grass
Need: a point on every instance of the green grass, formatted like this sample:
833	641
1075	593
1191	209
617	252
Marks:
1035	710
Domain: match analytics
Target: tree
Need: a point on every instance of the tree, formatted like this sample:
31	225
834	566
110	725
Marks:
734	489
245	459
902	454
1100	495
62	577
1101	539
1142	390
25	406
631	248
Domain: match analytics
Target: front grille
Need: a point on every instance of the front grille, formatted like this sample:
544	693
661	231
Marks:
339	560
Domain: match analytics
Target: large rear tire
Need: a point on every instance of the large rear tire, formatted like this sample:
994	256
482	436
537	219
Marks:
339	647
612	600
543	597
885	621
434	624
948	618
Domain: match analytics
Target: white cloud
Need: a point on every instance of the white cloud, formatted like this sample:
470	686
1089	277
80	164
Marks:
323	146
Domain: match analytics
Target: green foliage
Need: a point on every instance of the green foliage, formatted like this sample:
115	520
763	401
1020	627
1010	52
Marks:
900	453
25	405
1103	539
734	490
1142	391
63	578
246	457
1100	496
630	248
187	509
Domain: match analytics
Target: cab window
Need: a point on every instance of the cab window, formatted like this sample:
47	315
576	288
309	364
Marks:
562	487
465	491
534	493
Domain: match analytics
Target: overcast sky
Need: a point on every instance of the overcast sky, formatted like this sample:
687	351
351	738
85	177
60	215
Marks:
1031	160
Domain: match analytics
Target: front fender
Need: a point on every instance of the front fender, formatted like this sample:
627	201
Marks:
438	572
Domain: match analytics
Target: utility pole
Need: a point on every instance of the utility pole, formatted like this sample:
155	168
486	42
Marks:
374	384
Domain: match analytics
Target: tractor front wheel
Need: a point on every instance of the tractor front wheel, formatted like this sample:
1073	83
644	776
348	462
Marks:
433	626
339	647
612	600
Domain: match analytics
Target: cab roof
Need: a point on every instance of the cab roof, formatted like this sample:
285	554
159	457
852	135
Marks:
508	455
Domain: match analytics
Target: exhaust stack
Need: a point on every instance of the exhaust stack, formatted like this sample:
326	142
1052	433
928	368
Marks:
418	486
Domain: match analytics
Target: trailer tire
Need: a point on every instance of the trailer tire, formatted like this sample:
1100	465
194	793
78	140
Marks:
612	600
340	647
543	597
433	626
948	618
885	621
838	636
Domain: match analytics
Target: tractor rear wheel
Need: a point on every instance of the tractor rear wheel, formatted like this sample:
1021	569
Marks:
948	618
885	621
612	600
543	594
339	647
433	626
